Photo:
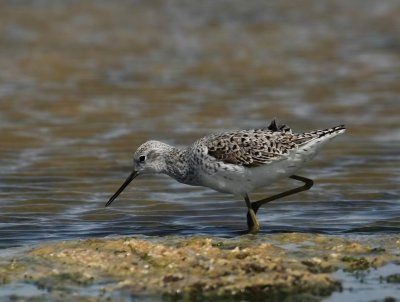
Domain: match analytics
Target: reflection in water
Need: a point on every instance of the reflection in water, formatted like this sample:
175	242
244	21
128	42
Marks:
83	84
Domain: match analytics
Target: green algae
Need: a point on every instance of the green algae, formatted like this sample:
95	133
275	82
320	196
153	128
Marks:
264	267
394	278
63	281
356	264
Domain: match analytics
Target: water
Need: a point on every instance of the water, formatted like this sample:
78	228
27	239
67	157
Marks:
369	286
83	84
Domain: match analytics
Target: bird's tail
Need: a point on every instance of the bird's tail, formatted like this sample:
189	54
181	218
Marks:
310	142
330	132
319	137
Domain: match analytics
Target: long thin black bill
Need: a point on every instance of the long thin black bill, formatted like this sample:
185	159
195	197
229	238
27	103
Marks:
124	185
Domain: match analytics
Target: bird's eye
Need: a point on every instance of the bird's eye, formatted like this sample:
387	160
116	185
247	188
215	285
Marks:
142	158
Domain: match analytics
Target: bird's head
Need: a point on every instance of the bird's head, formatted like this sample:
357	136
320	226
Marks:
149	158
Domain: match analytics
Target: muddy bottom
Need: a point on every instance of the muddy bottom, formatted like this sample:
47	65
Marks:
277	267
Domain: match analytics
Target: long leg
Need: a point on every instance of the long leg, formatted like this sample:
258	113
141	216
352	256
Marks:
308	183
252	221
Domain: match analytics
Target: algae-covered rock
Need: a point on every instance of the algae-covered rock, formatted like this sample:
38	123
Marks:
394	278
247	267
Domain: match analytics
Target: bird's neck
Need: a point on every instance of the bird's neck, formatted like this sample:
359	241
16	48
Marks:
177	165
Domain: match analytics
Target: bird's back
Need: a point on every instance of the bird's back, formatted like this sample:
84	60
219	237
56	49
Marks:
253	148
240	161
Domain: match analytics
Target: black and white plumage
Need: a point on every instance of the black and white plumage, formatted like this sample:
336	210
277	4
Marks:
253	148
236	162
239	162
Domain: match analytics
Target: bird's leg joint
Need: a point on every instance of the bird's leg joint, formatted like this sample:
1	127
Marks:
308	183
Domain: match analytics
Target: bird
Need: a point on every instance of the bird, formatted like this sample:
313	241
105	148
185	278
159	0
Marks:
235	162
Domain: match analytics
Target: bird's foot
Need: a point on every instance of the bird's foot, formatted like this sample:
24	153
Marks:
252	222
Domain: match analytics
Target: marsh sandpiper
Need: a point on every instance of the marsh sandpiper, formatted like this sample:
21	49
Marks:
235	162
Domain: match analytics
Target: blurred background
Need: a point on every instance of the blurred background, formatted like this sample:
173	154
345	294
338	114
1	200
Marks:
84	83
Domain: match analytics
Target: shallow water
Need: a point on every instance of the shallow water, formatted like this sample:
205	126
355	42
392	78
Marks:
369	286
83	84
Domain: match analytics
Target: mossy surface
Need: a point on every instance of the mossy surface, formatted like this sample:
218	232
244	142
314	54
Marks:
181	268
394	278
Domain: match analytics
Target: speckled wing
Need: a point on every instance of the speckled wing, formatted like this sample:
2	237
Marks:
252	148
